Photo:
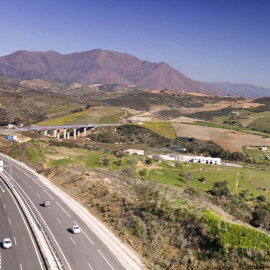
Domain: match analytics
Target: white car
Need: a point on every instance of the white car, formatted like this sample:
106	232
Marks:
7	243
75	229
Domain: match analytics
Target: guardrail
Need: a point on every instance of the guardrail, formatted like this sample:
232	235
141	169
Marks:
29	209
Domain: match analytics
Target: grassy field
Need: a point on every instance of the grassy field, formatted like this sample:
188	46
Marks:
261	123
254	153
60	110
162	128
104	115
254	182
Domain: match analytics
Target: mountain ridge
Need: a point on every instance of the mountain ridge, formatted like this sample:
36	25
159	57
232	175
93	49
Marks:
100	66
243	89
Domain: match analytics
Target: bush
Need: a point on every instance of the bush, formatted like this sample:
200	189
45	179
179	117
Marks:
261	198
129	171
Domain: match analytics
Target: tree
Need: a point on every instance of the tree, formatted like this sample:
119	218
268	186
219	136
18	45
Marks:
220	189
261	198
260	218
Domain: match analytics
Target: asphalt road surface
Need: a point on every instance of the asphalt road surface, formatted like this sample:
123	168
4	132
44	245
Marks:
24	254
77	251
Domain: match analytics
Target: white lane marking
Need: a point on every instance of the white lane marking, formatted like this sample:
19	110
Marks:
48	230
28	177
87	237
30	186
9	221
21	266
58	220
38	195
4	206
15	241
48	193
84	233
2	189
90	266
41	267
63	209
72	240
105	259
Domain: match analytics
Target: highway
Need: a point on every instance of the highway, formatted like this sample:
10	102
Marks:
77	251
24	254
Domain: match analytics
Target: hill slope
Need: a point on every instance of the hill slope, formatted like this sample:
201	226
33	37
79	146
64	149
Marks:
99	66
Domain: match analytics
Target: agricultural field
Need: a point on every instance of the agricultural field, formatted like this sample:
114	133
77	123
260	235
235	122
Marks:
161	128
60	110
261	123
228	139
254	153
93	115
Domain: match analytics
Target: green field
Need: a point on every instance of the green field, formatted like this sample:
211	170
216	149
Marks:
104	115
239	179
162	128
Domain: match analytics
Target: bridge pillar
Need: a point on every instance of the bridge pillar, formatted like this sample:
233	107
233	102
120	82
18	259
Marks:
79	133
58	134
84	131
65	133
55	133
45	132
68	135
74	133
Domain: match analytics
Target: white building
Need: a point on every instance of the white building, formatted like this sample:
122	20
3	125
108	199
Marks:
195	159
134	151
207	160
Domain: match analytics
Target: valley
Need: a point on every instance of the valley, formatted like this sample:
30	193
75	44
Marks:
173	214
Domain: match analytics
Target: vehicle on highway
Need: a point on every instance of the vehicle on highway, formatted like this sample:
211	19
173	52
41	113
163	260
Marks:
7	243
75	229
46	203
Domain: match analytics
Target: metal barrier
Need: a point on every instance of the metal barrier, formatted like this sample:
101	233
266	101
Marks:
22	198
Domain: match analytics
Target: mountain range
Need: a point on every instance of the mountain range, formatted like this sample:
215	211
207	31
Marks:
243	89
107	67
101	67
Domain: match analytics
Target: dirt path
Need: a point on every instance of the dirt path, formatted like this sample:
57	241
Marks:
236	183
141	166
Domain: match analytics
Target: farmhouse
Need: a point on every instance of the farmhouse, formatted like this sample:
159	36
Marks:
207	160
195	159
134	151
200	159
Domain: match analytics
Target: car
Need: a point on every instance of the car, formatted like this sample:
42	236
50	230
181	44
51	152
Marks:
75	229
7	243
46	203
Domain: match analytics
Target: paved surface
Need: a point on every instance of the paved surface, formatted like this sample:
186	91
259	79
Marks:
24	254
77	251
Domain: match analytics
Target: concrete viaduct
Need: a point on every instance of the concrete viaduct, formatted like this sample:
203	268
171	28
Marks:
69	131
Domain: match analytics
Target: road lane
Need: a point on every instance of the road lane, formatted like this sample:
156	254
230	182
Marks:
14	226
83	252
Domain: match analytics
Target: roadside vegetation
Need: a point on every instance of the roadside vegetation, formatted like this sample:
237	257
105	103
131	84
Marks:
175	215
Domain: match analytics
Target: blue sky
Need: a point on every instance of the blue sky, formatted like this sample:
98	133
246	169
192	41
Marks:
207	40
